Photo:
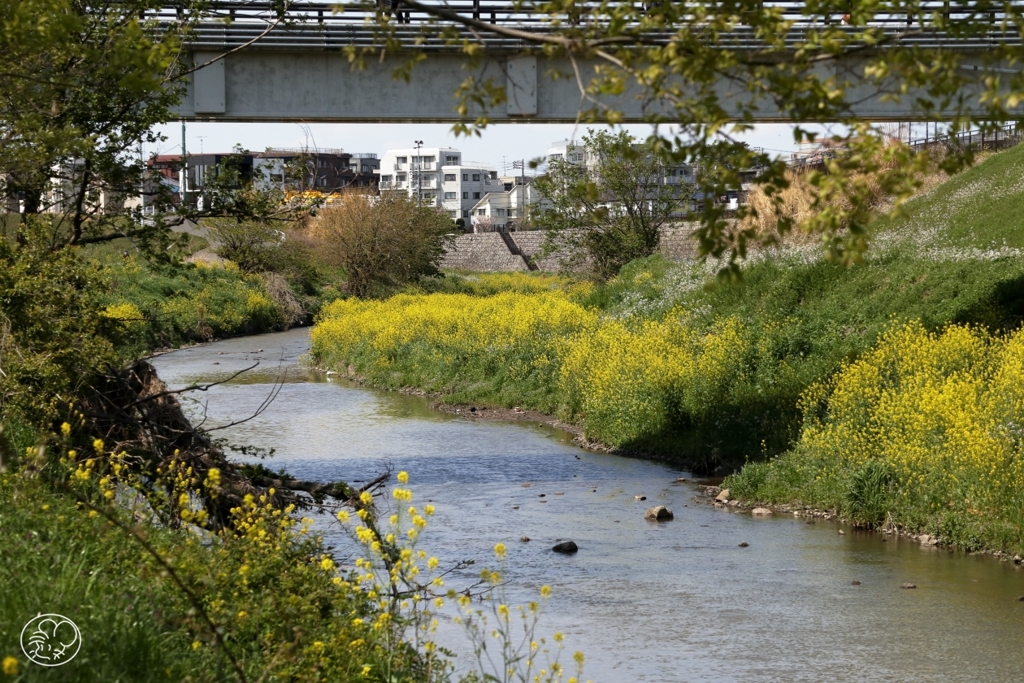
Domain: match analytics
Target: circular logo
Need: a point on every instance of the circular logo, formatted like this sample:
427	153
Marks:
50	640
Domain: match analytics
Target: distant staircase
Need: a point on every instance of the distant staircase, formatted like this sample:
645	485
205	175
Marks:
514	249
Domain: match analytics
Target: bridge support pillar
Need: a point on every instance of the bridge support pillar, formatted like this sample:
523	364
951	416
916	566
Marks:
521	86
208	85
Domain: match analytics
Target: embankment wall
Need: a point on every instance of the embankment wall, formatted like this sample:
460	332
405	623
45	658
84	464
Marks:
487	252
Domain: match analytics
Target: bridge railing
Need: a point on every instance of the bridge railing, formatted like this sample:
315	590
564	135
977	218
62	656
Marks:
312	24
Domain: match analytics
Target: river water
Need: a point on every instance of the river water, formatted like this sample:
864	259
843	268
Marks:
675	601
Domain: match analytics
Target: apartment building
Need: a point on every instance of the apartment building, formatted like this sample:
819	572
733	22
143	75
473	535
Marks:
465	185
324	170
437	176
417	171
364	163
577	153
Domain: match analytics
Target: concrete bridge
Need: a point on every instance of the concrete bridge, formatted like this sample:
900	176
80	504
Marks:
297	70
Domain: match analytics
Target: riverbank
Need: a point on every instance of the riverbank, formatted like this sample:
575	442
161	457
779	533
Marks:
723	498
767	607
710	379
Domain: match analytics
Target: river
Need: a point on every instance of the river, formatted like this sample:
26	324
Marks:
657	602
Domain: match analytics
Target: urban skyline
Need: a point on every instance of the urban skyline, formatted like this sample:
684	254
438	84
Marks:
498	146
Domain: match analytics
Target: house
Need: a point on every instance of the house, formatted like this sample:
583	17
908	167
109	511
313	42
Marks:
505	208
297	169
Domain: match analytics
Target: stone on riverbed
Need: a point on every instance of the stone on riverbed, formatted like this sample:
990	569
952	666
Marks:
909	585
659	513
566	547
723	495
760	511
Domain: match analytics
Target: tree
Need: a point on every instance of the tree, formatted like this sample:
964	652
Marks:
84	83
382	242
611	209
709	67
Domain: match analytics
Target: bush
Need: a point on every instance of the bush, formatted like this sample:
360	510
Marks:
383	242
186	303
53	336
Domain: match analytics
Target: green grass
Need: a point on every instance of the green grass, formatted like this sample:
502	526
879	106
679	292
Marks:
187	303
112	252
981	208
58	559
280	614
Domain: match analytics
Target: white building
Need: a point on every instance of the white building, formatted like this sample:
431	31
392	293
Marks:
567	150
465	185
437	176
417	171
577	153
505	207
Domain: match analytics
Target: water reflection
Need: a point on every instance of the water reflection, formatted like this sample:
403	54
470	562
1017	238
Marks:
679	601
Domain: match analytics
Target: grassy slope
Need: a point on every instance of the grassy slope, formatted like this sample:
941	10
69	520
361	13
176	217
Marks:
981	208
935	264
952	258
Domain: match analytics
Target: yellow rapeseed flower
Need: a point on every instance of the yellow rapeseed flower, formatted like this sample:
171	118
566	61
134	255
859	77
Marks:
10	666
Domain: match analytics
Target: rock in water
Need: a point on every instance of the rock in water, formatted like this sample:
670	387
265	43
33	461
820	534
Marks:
566	547
723	495
659	513
760	511
639	497
909	585
525	539
744	544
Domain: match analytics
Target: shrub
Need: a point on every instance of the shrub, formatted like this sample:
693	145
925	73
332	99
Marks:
381	242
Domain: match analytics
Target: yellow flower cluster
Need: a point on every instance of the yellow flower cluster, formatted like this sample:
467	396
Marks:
128	314
944	411
449	328
627	381
625	377
486	284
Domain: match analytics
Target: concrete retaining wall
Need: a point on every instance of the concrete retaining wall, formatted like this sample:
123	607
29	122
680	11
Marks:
487	252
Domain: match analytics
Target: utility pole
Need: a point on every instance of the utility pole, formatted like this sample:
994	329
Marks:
521	164
419	173
521	190
183	185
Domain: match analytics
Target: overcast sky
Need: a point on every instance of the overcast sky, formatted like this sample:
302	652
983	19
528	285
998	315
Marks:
497	146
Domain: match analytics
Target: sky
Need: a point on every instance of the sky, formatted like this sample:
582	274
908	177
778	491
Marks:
498	146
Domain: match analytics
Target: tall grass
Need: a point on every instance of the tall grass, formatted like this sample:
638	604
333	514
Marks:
159	307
